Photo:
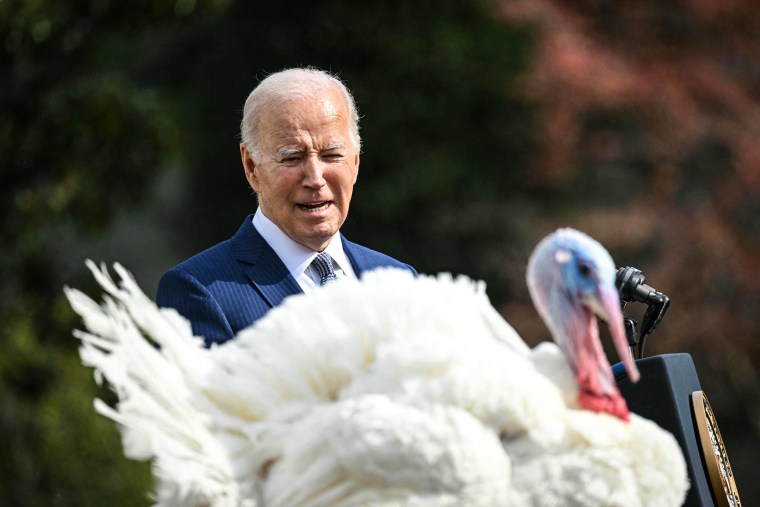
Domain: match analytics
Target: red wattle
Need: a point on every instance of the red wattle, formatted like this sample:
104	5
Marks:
612	404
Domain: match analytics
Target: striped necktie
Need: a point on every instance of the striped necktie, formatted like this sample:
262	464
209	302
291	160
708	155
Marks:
324	266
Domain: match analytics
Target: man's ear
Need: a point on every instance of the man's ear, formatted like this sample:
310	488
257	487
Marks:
249	166
356	170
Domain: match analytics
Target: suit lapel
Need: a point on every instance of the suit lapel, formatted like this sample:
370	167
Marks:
358	262
262	266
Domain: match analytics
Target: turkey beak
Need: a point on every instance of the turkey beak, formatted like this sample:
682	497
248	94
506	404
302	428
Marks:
606	305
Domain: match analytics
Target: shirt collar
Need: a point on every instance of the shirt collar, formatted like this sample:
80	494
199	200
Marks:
294	255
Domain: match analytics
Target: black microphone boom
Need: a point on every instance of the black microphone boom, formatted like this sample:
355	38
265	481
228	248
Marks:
631	286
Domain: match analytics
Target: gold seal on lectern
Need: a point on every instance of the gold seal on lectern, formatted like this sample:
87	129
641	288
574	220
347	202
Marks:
714	453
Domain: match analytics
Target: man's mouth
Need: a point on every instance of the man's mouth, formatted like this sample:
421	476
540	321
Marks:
315	206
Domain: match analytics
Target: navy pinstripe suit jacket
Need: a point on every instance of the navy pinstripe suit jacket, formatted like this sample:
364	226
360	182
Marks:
231	285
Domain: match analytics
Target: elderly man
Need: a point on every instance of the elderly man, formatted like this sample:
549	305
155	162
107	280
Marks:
300	151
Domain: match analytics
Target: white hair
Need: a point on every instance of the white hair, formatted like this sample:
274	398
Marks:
288	84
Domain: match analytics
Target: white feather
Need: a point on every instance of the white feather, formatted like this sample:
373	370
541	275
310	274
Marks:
392	390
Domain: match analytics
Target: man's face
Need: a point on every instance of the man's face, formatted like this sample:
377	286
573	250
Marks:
307	169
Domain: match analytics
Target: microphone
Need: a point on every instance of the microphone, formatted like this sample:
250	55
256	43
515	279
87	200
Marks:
630	284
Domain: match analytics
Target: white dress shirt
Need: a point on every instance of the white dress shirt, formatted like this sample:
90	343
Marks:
297	258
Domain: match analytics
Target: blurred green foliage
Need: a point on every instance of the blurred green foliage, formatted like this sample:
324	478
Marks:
80	138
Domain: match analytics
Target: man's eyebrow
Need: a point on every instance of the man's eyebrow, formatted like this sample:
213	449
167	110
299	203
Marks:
336	146
287	152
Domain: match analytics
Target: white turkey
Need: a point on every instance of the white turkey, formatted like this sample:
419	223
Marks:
387	391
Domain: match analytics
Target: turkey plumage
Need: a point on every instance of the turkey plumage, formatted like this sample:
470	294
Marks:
386	391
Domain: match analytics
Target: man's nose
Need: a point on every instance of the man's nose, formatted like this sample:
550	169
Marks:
313	172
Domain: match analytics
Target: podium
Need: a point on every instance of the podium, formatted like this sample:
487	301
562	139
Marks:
669	394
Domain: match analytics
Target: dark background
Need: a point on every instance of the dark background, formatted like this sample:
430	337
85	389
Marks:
485	126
